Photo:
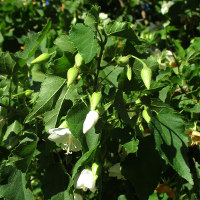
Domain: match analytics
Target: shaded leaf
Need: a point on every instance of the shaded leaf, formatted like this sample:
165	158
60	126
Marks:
51	117
13	184
171	141
50	86
143	170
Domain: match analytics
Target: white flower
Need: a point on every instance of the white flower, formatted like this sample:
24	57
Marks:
64	136
165	6
115	171
103	15
90	121
77	196
86	180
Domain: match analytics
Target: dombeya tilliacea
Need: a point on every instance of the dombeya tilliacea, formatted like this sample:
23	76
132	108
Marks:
72	73
90	121
78	60
94	100
146	76
44	57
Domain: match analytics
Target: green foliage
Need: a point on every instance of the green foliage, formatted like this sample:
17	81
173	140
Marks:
135	64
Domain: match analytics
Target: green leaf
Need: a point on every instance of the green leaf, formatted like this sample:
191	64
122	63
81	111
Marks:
143	170
75	118
92	18
22	155
121	29
64	43
50	87
13	184
51	117
61	65
85	41
132	146
111	73
7	63
171	142
192	108
15	127
163	93
31	45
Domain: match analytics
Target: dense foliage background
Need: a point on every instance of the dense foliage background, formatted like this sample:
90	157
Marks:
145	144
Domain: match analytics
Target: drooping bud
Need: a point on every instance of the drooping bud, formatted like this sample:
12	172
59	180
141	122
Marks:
95	99
78	60
63	125
124	60
146	76
90	121
72	73
28	92
146	115
95	167
41	59
129	72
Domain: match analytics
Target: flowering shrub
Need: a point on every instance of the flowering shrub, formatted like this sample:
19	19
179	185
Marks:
99	104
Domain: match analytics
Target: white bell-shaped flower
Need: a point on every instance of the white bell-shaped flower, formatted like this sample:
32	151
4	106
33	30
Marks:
86	180
115	171
90	121
64	137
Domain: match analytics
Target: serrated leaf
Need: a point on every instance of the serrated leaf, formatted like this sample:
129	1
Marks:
171	142
64	43
51	117
121	29
7	63
143	170
85	41
13	184
92	17
31	45
50	86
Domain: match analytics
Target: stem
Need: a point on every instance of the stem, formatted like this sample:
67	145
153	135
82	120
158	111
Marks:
10	91
144	64
62	166
12	109
102	44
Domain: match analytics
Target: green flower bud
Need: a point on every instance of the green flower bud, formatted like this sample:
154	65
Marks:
28	92
78	60
124	60
146	115
72	73
129	72
95	99
146	76
41	59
